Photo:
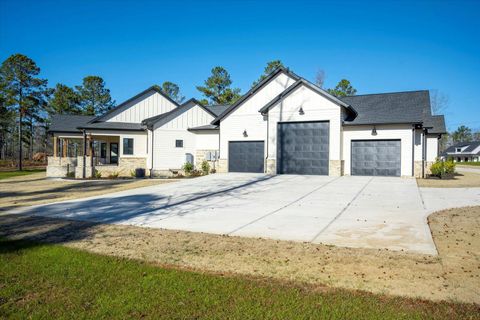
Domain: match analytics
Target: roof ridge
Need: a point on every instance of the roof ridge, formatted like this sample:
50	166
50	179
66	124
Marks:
382	93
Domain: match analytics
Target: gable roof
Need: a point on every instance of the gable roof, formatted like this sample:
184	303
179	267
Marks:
304	82
154	88
471	146
436	124
68	123
149	122
218	108
254	90
205	127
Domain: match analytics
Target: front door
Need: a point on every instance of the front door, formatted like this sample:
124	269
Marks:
114	153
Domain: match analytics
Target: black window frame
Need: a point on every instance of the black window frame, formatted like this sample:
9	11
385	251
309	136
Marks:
127	148
177	143
103	150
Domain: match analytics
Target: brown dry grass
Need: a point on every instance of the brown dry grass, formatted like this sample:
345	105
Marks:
453	275
36	189
461	180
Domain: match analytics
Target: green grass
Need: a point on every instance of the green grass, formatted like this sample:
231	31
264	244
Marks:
10	174
477	164
52	281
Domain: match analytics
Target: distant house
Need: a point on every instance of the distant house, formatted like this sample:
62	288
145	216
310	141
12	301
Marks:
463	152
283	125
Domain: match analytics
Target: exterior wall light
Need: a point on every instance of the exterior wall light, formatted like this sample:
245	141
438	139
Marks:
374	131
301	112
245	134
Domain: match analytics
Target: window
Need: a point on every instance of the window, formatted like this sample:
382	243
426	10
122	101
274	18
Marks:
127	146
178	143
459	150
103	150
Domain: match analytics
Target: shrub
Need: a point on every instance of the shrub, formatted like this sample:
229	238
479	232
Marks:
70	174
97	174
442	169
188	167
113	175
133	174
213	170
195	173
205	167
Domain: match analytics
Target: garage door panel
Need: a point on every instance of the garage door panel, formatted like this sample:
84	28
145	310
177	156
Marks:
303	148
245	156
376	158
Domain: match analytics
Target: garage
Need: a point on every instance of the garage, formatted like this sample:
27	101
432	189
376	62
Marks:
376	158
303	147
246	156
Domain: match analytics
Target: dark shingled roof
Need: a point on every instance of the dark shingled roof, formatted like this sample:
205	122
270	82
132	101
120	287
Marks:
205	127
68	123
471	146
218	109
127	126
436	123
396	107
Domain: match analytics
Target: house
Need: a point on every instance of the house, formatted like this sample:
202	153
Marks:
463	152
286	124
283	125
150	131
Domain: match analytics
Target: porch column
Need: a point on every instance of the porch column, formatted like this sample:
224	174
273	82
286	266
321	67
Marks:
64	148
54	146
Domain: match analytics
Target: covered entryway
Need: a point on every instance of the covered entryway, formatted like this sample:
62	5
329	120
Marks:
246	156
376	158
303	147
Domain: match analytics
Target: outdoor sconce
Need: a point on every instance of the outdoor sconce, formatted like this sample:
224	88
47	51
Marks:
374	131
245	134
301	112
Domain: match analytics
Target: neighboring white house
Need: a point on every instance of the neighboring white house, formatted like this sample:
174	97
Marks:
463	152
283	125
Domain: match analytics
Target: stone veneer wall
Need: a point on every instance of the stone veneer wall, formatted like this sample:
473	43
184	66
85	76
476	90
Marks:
335	168
200	156
222	165
417	168
58	167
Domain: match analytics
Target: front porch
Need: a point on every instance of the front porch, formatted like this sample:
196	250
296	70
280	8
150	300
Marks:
81	156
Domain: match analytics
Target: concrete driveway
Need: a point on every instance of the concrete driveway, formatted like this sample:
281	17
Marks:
370	212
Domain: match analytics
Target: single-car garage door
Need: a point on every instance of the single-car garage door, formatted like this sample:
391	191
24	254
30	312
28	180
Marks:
302	147
245	156
376	158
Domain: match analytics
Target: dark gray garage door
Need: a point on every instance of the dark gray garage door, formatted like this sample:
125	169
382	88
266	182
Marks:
245	156
302	147
376	158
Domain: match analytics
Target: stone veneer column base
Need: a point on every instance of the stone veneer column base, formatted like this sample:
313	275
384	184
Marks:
417	169
200	156
271	165
335	168
222	166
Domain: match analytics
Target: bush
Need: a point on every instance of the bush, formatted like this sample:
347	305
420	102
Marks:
213	170
97	174
70	174
113	175
188	167
205	167
442	169
195	173
133	174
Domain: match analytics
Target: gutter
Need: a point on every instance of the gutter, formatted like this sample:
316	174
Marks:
84	173
151	165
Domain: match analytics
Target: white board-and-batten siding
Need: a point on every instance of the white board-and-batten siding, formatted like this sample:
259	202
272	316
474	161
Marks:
165	154
146	106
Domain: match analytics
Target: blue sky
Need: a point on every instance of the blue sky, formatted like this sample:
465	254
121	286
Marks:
379	46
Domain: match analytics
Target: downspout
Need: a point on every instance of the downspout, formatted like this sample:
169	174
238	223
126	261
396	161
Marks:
151	165
423	153
268	142
413	151
84	172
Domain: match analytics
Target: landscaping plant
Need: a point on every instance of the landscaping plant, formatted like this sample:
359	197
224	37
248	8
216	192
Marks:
188	168
205	167
443	169
97	174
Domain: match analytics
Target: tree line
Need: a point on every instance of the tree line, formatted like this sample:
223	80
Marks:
27	102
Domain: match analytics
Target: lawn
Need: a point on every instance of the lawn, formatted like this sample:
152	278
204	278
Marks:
11	174
460	180
476	164
52	281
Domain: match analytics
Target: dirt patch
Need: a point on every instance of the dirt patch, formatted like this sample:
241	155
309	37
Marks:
453	275
36	189
461	180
